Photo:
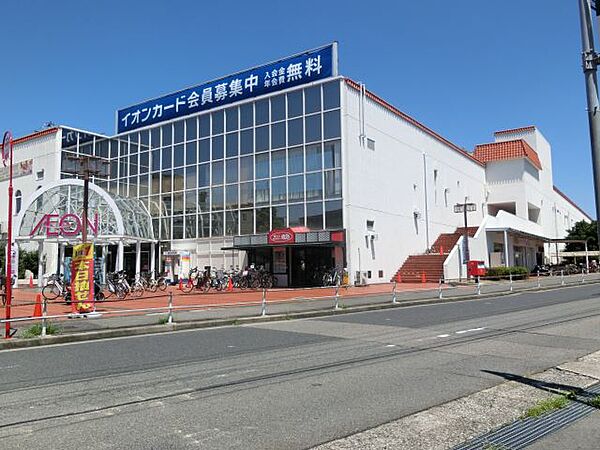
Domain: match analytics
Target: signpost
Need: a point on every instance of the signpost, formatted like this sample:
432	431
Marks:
464	208
7	160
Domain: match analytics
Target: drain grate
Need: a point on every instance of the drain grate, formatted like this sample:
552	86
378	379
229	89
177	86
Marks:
522	433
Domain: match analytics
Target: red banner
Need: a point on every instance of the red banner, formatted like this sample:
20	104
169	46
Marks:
82	278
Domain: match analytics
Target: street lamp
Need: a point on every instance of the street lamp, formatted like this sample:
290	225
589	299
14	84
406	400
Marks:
7	155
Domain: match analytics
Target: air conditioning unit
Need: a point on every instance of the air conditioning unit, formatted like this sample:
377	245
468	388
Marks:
360	279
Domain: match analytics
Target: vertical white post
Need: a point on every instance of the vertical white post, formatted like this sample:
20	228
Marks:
582	275
506	262
153	259
538	279
263	309
394	299
40	274
120	256
61	258
337	297
511	281
478	285
170	317
562	277
440	294
138	257
44	314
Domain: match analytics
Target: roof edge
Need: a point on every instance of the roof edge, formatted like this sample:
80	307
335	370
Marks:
35	135
413	121
515	130
563	195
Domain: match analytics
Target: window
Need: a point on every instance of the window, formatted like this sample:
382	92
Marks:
262	192
232	170
246	221
313	157
331	124
278	163
279	217
295	160
277	108
295	103
314	186
262	166
314	215
18	201
331	95
217	123
262	220
261	111
232	119
246	115
370	225
217	172
295	131
333	154
232	144
312	99
278	135
278	190
371	144
333	214
39	175
296	188
313	127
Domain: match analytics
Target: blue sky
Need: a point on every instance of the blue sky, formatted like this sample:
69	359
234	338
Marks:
464	68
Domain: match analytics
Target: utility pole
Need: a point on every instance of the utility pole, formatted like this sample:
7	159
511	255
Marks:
590	64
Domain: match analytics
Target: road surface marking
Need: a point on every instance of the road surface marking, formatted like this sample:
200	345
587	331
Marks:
443	335
470	330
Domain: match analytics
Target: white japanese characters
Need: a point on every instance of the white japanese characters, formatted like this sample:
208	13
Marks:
186	103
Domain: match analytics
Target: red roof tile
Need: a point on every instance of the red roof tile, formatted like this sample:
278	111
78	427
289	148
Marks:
515	130
501	151
35	135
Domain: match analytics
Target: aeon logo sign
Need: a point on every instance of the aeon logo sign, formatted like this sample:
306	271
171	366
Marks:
67	225
283	236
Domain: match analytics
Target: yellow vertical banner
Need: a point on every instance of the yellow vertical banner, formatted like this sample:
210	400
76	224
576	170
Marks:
82	278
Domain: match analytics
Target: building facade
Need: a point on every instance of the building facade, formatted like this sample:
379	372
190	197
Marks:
306	174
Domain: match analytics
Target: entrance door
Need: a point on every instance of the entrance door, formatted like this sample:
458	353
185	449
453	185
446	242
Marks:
308	264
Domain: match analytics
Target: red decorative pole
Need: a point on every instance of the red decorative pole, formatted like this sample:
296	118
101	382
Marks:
7	153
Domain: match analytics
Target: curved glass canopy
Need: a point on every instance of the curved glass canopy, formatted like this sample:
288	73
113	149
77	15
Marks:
112	218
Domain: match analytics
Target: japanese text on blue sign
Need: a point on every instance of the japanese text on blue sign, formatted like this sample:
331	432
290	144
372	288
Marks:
293	71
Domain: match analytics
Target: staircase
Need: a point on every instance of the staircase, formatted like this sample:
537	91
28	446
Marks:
429	267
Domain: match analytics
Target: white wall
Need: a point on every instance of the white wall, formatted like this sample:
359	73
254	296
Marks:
387	185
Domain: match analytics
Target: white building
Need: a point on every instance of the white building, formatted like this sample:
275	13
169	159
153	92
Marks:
316	172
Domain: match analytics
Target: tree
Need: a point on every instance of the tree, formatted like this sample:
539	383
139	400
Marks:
28	260
583	231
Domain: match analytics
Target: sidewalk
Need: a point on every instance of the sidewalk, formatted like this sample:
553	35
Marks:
151	309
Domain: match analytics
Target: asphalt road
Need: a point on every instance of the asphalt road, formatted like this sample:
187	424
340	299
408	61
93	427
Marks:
290	384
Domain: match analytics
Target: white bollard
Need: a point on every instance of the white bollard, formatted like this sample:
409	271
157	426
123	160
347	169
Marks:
478	285
263	309
337	297
170	317
538	279
440	294
583	275
44	314
562	277
511	281
394	299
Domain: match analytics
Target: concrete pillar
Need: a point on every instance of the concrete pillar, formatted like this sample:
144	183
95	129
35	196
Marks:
61	258
138	257
153	258
120	256
506	263
160	259
40	274
104	261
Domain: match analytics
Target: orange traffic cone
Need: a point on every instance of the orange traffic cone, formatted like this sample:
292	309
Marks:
31	281
180	287
230	285
423	278
399	277
37	309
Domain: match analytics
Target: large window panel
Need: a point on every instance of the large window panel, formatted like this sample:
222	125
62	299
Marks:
314	186
231	119
246	168
279	217
261	111
314	215
262	192
178	156
333	214
217	147
203	200
155	161
278	190
331	124
296	188
262	138
166	157
277	108
313	127
191	153
331	95
217	119
204	150
295	132
246	195
295	160
247	221
190	227
217	223
231	196
191	129
217	172
294	100
247	142
203	225
144	162
178	132
312	99
278	163
154	138
247	115
178	177
178	203
263	222
232	144
191	205
333	183
167	186
190	177
217	198
155	183
203	175
313	157
333	154
178	227
278	135
262	165
296	215
231	170
204	125
231	223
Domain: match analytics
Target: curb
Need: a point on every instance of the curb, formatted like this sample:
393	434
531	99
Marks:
213	323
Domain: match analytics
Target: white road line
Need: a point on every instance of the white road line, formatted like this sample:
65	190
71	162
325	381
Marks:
390	345
470	330
443	335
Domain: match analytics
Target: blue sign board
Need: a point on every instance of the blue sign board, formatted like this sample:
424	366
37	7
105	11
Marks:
292	71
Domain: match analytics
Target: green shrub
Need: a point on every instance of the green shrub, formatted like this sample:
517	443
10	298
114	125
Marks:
505	272
36	330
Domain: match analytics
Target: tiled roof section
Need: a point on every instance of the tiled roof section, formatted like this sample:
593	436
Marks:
563	195
515	130
410	120
501	151
35	135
